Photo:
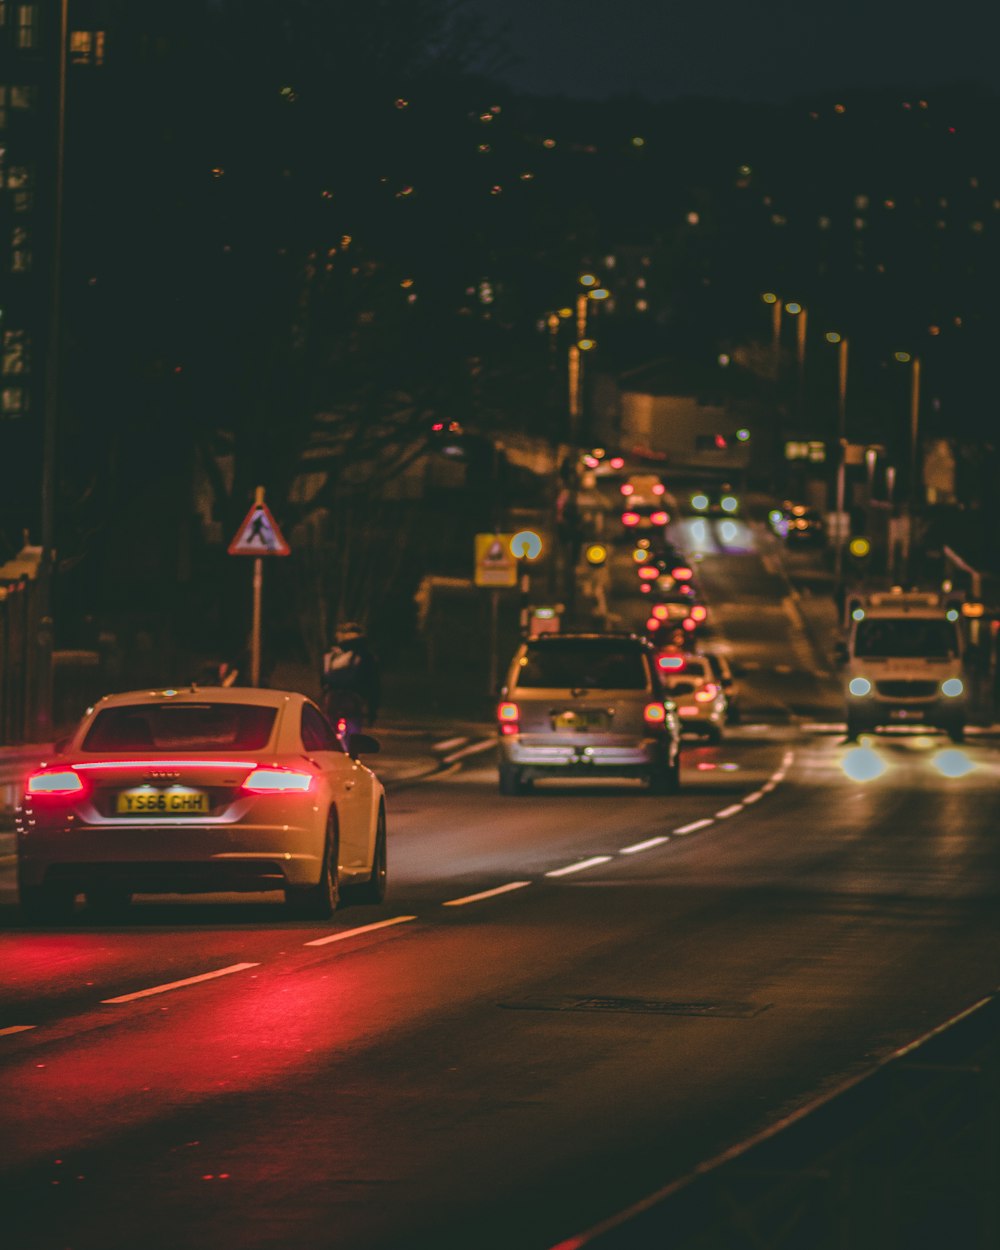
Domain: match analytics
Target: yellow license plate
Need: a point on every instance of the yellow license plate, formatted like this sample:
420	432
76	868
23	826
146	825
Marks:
177	801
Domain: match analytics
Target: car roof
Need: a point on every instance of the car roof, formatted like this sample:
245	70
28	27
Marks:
201	694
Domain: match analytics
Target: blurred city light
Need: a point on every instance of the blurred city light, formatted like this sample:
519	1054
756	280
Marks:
952	763
862	764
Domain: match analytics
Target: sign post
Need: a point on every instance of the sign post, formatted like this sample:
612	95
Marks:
495	566
258	536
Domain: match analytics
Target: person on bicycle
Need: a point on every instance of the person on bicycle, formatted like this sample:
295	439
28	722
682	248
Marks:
350	680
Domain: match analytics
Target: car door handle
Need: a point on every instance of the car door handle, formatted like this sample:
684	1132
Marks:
348	785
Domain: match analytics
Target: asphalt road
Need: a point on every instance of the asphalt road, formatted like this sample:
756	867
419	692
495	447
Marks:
572	997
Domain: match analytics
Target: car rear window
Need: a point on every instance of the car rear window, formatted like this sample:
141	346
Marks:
181	727
583	662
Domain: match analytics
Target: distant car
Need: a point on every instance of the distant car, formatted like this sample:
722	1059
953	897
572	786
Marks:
586	705
700	698
643	488
727	679
672	608
642	517
798	524
720	501
201	790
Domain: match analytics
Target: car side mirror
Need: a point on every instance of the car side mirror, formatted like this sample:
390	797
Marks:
362	744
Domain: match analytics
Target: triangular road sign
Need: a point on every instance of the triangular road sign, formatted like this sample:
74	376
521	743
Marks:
259	535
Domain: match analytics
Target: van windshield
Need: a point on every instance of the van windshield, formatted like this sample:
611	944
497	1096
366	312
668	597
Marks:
906	638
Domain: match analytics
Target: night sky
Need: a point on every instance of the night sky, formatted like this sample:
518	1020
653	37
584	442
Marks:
744	49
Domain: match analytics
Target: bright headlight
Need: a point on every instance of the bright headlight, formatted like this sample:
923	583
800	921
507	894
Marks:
860	686
953	687
729	504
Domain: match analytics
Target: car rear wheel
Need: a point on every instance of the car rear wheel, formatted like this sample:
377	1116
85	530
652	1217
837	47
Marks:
319	901
373	890
46	904
512	780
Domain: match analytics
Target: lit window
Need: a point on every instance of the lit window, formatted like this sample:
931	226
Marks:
18	177
641	283
778	220
20	250
26	30
861	202
824	223
859	223
13	401
3	95
22	97
86	47
15	353
641	305
976	227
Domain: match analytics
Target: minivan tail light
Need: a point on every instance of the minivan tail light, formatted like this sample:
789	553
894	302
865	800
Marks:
655	714
707	693
659	518
630	518
509	718
698	612
55	783
277	781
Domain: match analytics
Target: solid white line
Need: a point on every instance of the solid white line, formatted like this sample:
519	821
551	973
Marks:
729	811
449	743
17	1028
474	898
698	824
365	928
176	985
584	863
753	798
472	749
644	846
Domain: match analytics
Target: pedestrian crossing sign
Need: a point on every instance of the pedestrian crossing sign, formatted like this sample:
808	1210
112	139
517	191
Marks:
496	565
259	535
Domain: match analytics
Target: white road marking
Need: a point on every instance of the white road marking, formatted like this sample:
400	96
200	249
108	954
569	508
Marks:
697	824
474	898
450	743
766	789
16	1028
584	863
643	846
176	985
786	759
365	928
755	797
472	749
778	776
729	811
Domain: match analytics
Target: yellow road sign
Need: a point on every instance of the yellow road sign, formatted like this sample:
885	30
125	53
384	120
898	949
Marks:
495	563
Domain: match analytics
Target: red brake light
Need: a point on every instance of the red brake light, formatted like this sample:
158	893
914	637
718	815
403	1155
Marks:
671	663
699	613
689	624
652	624
648	573
630	518
682	573
661	611
660	518
627	488
277	781
55	783
707	693
617	462
655	714
509	716
659	489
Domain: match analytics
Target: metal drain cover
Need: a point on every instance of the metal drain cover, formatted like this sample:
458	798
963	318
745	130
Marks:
640	1006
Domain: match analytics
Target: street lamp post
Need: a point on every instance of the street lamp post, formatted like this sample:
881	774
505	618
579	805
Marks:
838	567
914	440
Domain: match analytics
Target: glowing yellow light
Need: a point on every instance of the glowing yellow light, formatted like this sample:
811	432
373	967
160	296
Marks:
548	143
599	293
588	279
586	345
565	312
902	357
407	282
832	336
401	103
596	553
862	764
638	141
526	545
860	547
952	763
769	297
793	308
640	555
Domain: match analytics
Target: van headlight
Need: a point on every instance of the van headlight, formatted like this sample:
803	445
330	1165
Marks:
860	686
953	687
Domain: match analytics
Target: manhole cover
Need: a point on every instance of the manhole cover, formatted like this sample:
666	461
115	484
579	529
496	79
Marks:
641	1006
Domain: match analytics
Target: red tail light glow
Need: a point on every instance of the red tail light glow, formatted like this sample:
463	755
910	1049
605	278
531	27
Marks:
630	518
509	716
277	781
617	462
649	573
707	693
646	587
659	518
671	663
661	612
688	624
699	613
56	783
655	714
627	488
659	489
681	574
652	624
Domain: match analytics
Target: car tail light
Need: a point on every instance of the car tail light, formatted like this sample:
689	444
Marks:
655	714
707	693
649	573
630	518
671	663
659	518
661	612
509	717
616	462
652	624
646	587
627	488
55	783
682	573
689	624
699	613
277	781
688	710
659	489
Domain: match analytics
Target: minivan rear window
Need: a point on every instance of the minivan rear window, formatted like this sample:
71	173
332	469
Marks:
181	727
593	664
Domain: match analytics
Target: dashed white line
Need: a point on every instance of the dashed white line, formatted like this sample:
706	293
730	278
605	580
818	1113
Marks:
696	824
449	744
644	846
177	985
475	898
16	1028
787	758
584	863
729	811
768	787
755	797
344	934
472	749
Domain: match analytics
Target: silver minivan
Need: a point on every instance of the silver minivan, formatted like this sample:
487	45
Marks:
586	705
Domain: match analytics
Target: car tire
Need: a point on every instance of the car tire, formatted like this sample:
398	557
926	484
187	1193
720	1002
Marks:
319	901
46	904
108	901
373	890
512	782
957	732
